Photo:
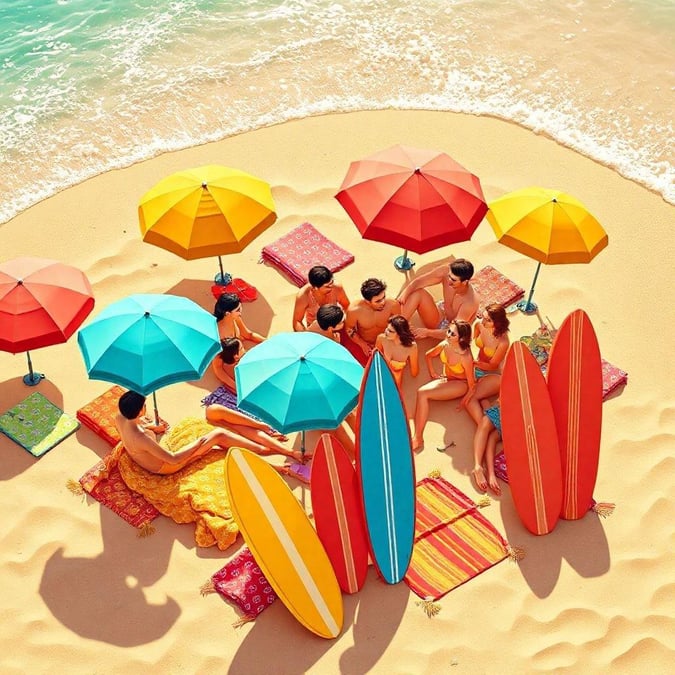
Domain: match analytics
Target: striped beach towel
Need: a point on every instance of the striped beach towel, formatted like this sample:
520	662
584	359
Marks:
453	541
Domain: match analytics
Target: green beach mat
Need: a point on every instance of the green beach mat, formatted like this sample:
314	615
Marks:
37	425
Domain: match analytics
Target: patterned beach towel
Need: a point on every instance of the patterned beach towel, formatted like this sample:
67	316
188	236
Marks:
99	414
302	248
492	286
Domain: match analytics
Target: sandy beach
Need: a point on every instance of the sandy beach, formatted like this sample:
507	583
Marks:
83	594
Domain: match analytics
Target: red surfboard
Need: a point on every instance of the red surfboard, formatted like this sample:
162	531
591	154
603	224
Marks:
338	513
530	441
575	387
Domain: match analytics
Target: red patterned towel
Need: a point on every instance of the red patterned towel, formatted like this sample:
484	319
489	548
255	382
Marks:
108	488
99	415
302	248
493	286
244	290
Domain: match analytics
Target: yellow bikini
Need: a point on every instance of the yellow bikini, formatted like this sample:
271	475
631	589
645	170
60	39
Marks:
454	371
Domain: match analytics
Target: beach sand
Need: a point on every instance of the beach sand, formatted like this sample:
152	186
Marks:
83	594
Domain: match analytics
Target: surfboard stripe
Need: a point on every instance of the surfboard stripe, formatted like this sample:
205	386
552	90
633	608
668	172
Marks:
386	465
573	415
345	539
531	442
285	540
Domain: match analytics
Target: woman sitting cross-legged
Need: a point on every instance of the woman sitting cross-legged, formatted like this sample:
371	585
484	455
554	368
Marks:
455	381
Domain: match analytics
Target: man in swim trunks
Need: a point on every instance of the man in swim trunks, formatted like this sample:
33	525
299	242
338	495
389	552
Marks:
321	290
368	317
460	300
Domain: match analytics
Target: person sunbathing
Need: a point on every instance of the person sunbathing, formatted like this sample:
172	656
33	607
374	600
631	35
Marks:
397	345
460	300
330	320
457	378
485	439
140	439
491	338
321	290
230	324
232	349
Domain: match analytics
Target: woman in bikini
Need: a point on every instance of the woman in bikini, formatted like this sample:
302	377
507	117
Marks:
230	324
397	345
456	380
232	349
492	339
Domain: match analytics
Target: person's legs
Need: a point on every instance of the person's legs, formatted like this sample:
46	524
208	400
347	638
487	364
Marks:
490	452
221	416
420	301
436	390
487	386
268	444
480	443
475	409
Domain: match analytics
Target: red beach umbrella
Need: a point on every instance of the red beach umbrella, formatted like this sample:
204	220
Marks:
42	303
417	199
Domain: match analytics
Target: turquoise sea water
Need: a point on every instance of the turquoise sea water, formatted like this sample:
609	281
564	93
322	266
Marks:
89	85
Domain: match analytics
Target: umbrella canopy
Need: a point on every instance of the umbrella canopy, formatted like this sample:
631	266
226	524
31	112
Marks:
417	199
144	342
208	211
549	226
298	381
42	302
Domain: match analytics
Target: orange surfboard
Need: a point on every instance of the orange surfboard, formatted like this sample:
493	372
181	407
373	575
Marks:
530	441
575	387
338	513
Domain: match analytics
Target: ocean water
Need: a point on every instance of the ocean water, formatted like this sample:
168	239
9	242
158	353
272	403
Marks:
90	85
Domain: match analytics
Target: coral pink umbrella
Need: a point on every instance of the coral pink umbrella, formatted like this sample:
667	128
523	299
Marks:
417	199
42	303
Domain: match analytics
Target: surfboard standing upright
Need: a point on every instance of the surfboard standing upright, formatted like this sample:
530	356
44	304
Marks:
283	542
384	464
575	387
530	441
338	513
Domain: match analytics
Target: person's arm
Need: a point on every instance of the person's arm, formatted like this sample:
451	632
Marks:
352	329
342	299
247	334
435	333
414	361
222	374
379	344
430	278
467	363
496	359
299	310
429	355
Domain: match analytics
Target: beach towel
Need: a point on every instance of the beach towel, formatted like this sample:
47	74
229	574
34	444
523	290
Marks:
453	541
242	582
302	248
301	472
99	414
245	291
492	286
195	494
37	425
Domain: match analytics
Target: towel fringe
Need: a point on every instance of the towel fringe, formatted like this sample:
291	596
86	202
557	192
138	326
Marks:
207	587
516	553
246	618
145	530
603	509
75	487
434	473
483	502
429	607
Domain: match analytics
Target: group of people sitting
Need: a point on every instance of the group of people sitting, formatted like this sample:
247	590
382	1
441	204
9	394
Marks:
372	322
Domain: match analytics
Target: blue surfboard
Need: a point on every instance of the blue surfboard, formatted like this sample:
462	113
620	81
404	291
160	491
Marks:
384	464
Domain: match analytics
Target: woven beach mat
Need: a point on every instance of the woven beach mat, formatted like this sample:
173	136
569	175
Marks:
37	425
297	252
453	541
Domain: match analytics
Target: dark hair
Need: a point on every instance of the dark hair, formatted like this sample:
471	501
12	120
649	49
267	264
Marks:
230	347
463	333
500	322
329	316
402	327
462	269
319	275
130	404
227	302
372	287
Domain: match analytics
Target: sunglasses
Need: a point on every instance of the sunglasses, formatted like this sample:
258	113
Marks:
452	333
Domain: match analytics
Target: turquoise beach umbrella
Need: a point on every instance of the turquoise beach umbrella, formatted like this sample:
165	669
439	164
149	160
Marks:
147	341
298	381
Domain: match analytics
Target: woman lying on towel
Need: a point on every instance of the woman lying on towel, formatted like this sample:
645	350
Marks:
191	441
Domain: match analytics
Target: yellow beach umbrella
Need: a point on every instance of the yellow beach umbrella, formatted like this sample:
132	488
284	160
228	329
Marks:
549	226
207	211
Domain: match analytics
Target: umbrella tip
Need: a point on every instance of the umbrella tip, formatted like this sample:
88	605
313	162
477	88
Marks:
19	282
418	169
555	201
302	358
147	314
204	185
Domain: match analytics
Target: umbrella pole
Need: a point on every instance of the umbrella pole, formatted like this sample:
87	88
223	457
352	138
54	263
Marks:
32	378
403	263
222	279
530	307
154	403
302	443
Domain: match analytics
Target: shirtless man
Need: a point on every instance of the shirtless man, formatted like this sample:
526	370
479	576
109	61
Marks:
368	317
321	290
139	438
460	300
330	320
